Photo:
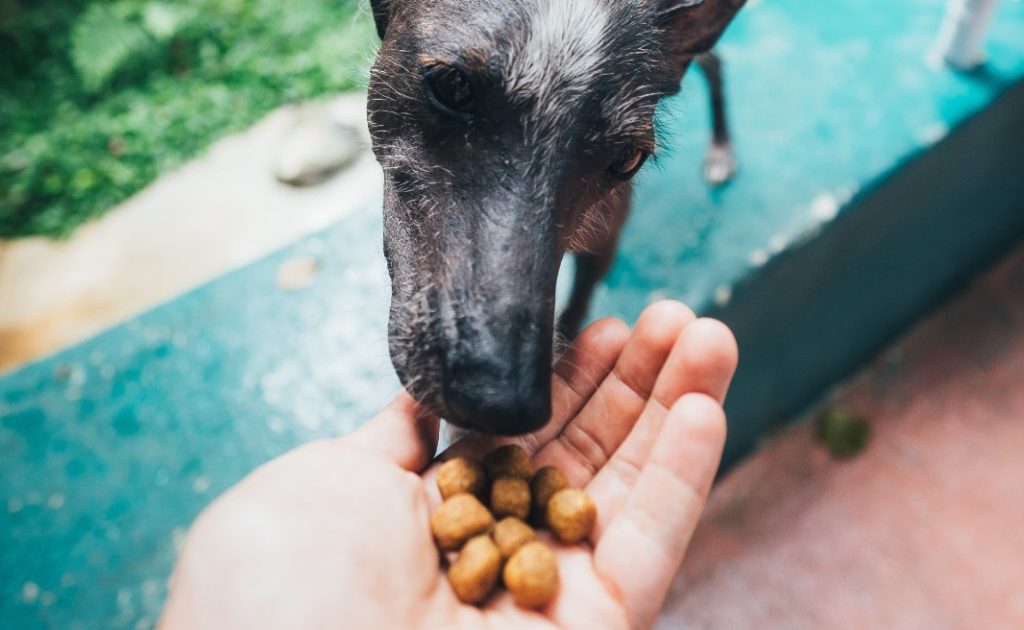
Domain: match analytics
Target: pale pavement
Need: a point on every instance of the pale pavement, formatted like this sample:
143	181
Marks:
216	213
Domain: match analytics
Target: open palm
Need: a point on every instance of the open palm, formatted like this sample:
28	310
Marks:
335	533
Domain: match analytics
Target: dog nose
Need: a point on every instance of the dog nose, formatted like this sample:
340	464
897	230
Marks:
488	397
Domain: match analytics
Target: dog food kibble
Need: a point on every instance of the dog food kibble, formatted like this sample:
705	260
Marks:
508	461
531	575
543	486
510	496
460	475
459	519
571	515
510	534
475	572
508	548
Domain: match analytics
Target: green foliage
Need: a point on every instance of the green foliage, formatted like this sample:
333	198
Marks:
103	42
99	97
164	21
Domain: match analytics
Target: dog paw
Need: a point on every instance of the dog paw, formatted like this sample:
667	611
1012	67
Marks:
719	164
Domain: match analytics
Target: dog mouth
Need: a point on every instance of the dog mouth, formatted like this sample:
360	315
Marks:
483	392
422	376
419	372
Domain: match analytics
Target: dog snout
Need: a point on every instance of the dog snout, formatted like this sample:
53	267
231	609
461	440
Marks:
505	394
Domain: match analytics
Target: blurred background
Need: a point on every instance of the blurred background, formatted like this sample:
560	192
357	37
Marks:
191	282
100	97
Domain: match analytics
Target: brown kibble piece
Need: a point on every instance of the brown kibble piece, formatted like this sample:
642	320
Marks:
510	534
571	515
508	461
474	573
543	486
531	575
459	475
510	496
459	519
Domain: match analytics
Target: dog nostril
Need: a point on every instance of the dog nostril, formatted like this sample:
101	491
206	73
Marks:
492	406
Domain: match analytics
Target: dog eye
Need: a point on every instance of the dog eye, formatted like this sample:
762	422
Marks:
450	89
630	163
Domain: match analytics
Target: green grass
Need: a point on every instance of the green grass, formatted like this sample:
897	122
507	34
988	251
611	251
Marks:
97	98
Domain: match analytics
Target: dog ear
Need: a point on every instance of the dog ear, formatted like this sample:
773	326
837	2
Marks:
693	26
381	15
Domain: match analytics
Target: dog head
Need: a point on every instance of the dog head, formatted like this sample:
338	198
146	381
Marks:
504	127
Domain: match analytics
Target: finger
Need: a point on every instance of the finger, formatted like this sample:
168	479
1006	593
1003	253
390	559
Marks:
574	379
404	432
584	444
583	600
702	361
580	372
654	527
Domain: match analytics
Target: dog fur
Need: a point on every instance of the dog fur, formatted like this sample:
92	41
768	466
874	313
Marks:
505	129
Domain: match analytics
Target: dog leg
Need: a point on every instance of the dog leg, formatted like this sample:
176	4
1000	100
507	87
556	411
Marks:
590	269
720	162
592	264
961	41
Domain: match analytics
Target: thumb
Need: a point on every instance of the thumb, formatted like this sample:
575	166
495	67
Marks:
403	432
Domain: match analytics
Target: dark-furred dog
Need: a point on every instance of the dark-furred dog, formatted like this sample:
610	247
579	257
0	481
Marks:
509	131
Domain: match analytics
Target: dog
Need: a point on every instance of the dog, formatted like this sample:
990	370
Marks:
508	132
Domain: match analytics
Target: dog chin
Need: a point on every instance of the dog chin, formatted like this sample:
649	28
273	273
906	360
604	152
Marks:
414	381
430	398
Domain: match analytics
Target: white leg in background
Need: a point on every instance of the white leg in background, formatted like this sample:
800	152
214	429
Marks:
961	41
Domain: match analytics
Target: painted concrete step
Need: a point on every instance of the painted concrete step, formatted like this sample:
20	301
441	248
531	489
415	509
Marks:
871	185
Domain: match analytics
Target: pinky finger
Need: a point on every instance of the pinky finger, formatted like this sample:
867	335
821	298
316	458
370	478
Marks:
654	528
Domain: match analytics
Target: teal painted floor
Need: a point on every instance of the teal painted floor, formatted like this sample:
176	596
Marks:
109	449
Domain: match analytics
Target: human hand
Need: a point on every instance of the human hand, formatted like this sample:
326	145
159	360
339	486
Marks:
336	533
